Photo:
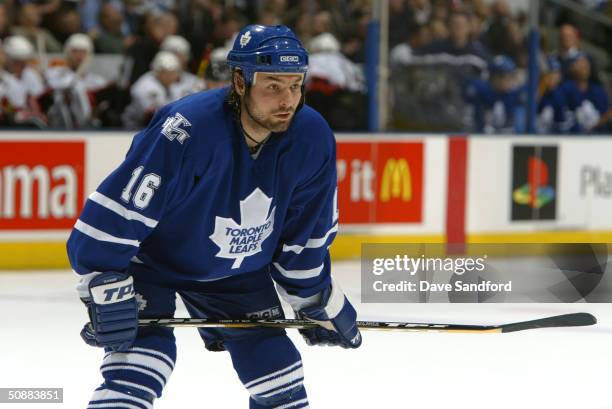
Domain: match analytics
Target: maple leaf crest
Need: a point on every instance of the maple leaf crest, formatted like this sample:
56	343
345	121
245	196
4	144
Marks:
245	38
237	241
141	301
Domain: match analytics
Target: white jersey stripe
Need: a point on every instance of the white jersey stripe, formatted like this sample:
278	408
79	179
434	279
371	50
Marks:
127	214
103	236
311	243
299	274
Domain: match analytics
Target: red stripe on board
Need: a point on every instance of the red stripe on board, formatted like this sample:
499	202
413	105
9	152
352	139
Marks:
457	193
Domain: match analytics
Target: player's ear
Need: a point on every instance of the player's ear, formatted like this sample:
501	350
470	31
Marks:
239	84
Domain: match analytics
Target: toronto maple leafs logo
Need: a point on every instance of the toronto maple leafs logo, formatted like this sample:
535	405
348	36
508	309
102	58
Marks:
141	301
237	241
245	38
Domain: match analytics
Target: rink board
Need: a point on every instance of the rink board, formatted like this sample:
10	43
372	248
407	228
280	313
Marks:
392	188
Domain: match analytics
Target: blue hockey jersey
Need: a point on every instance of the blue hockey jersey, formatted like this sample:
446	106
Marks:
494	111
189	203
585	108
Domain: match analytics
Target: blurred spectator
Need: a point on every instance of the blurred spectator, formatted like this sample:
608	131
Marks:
552	117
335	86
569	42
353	46
421	11
459	43
153	90
216	70
504	35
187	83
198	19
438	30
19	53
497	106
65	21
110	38
73	87
141	53
401	20
587	102
4	22
29	27
23	85
402	53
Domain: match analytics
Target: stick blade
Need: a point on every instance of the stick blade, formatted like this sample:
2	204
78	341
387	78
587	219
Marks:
579	319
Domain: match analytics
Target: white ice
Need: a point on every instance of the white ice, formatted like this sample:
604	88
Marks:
564	368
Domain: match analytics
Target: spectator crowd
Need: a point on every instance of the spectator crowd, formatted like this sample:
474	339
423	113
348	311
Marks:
56	56
485	46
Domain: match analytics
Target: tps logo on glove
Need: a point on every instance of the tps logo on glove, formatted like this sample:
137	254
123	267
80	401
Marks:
121	293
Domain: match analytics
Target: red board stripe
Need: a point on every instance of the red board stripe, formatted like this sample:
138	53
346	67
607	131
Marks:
457	192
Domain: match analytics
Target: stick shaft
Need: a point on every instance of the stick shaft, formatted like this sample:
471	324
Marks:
567	320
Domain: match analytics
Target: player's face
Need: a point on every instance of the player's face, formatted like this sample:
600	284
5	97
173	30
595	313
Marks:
76	58
273	99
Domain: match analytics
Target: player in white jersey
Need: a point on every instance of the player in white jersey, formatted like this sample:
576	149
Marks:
73	85
153	90
23	84
188	83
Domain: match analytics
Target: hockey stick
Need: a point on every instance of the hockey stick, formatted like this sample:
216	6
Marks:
568	320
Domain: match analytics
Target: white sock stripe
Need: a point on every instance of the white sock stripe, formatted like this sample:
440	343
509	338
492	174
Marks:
261	378
294	404
113	405
277	381
104	394
101	235
160	354
152	374
311	243
286	388
299	274
140	358
122	211
135	386
155	352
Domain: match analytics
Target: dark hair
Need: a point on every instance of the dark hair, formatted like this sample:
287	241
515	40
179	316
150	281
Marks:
233	99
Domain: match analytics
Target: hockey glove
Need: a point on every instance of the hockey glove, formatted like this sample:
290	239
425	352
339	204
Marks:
336	319
113	312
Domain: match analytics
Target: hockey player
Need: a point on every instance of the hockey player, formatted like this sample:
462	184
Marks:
187	83
587	102
552	109
22	84
225	194
497	106
153	90
73	85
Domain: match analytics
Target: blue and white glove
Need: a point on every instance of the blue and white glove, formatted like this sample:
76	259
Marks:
113	312
336	319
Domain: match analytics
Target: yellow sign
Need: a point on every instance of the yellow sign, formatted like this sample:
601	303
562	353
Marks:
396	181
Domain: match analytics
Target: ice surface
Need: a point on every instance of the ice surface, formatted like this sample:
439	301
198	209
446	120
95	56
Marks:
563	368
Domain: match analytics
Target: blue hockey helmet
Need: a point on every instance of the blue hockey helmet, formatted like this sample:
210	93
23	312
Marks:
260	48
502	64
